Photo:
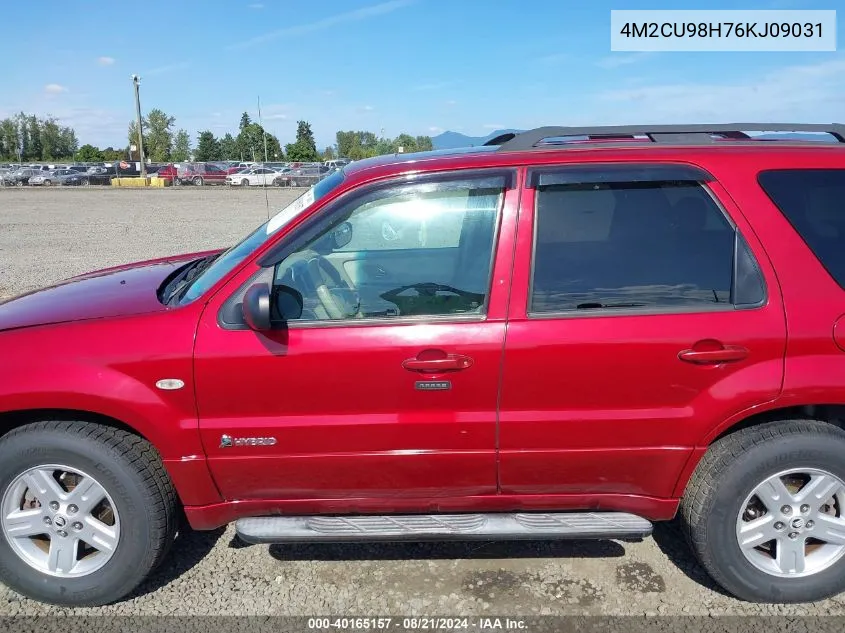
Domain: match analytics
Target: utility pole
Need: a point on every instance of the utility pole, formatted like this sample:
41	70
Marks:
136	81
263	131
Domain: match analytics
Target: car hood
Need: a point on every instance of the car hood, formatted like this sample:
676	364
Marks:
112	292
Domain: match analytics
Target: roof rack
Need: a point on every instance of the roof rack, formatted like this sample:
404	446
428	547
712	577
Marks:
697	134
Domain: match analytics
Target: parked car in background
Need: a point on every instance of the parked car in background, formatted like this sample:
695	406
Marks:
98	176
193	173
20	177
337	163
302	176
57	177
262	176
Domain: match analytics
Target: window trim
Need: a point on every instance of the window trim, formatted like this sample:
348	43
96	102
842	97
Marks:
645	310
317	221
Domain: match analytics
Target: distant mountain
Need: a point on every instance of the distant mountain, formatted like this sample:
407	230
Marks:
454	140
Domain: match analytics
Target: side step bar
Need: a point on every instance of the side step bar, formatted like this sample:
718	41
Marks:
437	527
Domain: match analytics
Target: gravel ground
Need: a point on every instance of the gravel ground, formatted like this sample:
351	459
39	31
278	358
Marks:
47	235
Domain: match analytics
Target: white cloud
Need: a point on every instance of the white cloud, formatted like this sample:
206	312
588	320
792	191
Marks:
814	92
105	61
54	89
368	108
160	70
256	5
436	85
451	102
333	20
615	61
554	58
435	130
271	117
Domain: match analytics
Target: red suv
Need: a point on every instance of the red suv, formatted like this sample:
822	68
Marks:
193	173
534	339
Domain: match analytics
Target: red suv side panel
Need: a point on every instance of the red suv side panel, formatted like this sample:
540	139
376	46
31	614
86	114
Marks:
602	404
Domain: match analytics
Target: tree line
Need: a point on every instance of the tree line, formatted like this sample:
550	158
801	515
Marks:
28	137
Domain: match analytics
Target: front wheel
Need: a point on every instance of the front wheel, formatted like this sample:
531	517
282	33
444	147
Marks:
86	511
765	512
86	182
47	183
198	181
244	183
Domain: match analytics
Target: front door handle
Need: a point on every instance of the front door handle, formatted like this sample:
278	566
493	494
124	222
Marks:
448	362
727	354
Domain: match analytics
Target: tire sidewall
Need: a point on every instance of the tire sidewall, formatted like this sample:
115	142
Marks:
124	486
736	484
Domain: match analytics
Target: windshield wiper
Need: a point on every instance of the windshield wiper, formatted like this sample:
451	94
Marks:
181	282
595	304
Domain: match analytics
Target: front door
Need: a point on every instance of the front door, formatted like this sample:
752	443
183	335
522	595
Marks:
386	384
644	314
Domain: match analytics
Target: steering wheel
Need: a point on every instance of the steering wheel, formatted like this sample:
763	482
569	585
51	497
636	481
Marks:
338	299
427	291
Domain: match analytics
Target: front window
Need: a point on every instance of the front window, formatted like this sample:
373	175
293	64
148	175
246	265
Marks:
409	251
238	253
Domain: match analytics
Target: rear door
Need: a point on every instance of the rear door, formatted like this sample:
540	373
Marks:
643	314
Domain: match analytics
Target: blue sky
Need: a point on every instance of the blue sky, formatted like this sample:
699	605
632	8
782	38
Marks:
417	66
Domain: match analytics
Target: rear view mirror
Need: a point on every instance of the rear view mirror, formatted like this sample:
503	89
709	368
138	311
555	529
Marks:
342	235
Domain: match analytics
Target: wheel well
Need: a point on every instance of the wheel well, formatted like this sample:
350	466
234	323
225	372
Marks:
831	413
10	420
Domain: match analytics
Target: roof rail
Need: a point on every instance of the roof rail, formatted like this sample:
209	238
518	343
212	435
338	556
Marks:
696	134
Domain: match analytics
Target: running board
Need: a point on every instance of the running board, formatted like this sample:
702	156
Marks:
442	527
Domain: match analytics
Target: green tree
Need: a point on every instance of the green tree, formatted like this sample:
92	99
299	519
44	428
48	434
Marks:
159	140
245	120
304	148
424	144
89	154
33	128
328	153
112	154
51	140
9	139
208	147
250	143
133	140
181	146
228	147
68	142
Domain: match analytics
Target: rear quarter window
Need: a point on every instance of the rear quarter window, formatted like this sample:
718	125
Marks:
813	201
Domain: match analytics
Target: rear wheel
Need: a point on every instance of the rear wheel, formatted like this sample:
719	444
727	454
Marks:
86	182
244	183
177	181
765	512
47	183
86	512
198	181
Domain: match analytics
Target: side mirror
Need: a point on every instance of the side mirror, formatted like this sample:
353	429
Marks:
256	307
289	302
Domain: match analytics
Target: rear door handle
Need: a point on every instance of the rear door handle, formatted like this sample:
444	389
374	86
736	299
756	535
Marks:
728	354
451	362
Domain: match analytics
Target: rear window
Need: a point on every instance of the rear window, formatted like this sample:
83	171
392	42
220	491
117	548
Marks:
812	200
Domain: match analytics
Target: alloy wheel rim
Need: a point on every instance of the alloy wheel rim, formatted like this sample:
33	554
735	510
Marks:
60	521
792	524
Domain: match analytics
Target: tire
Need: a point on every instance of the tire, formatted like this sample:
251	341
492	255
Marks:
47	183
730	474
198	181
19	183
294	183
86	182
244	183
277	182
177	181
132	476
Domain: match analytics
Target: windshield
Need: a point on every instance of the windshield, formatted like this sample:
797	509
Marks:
238	253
